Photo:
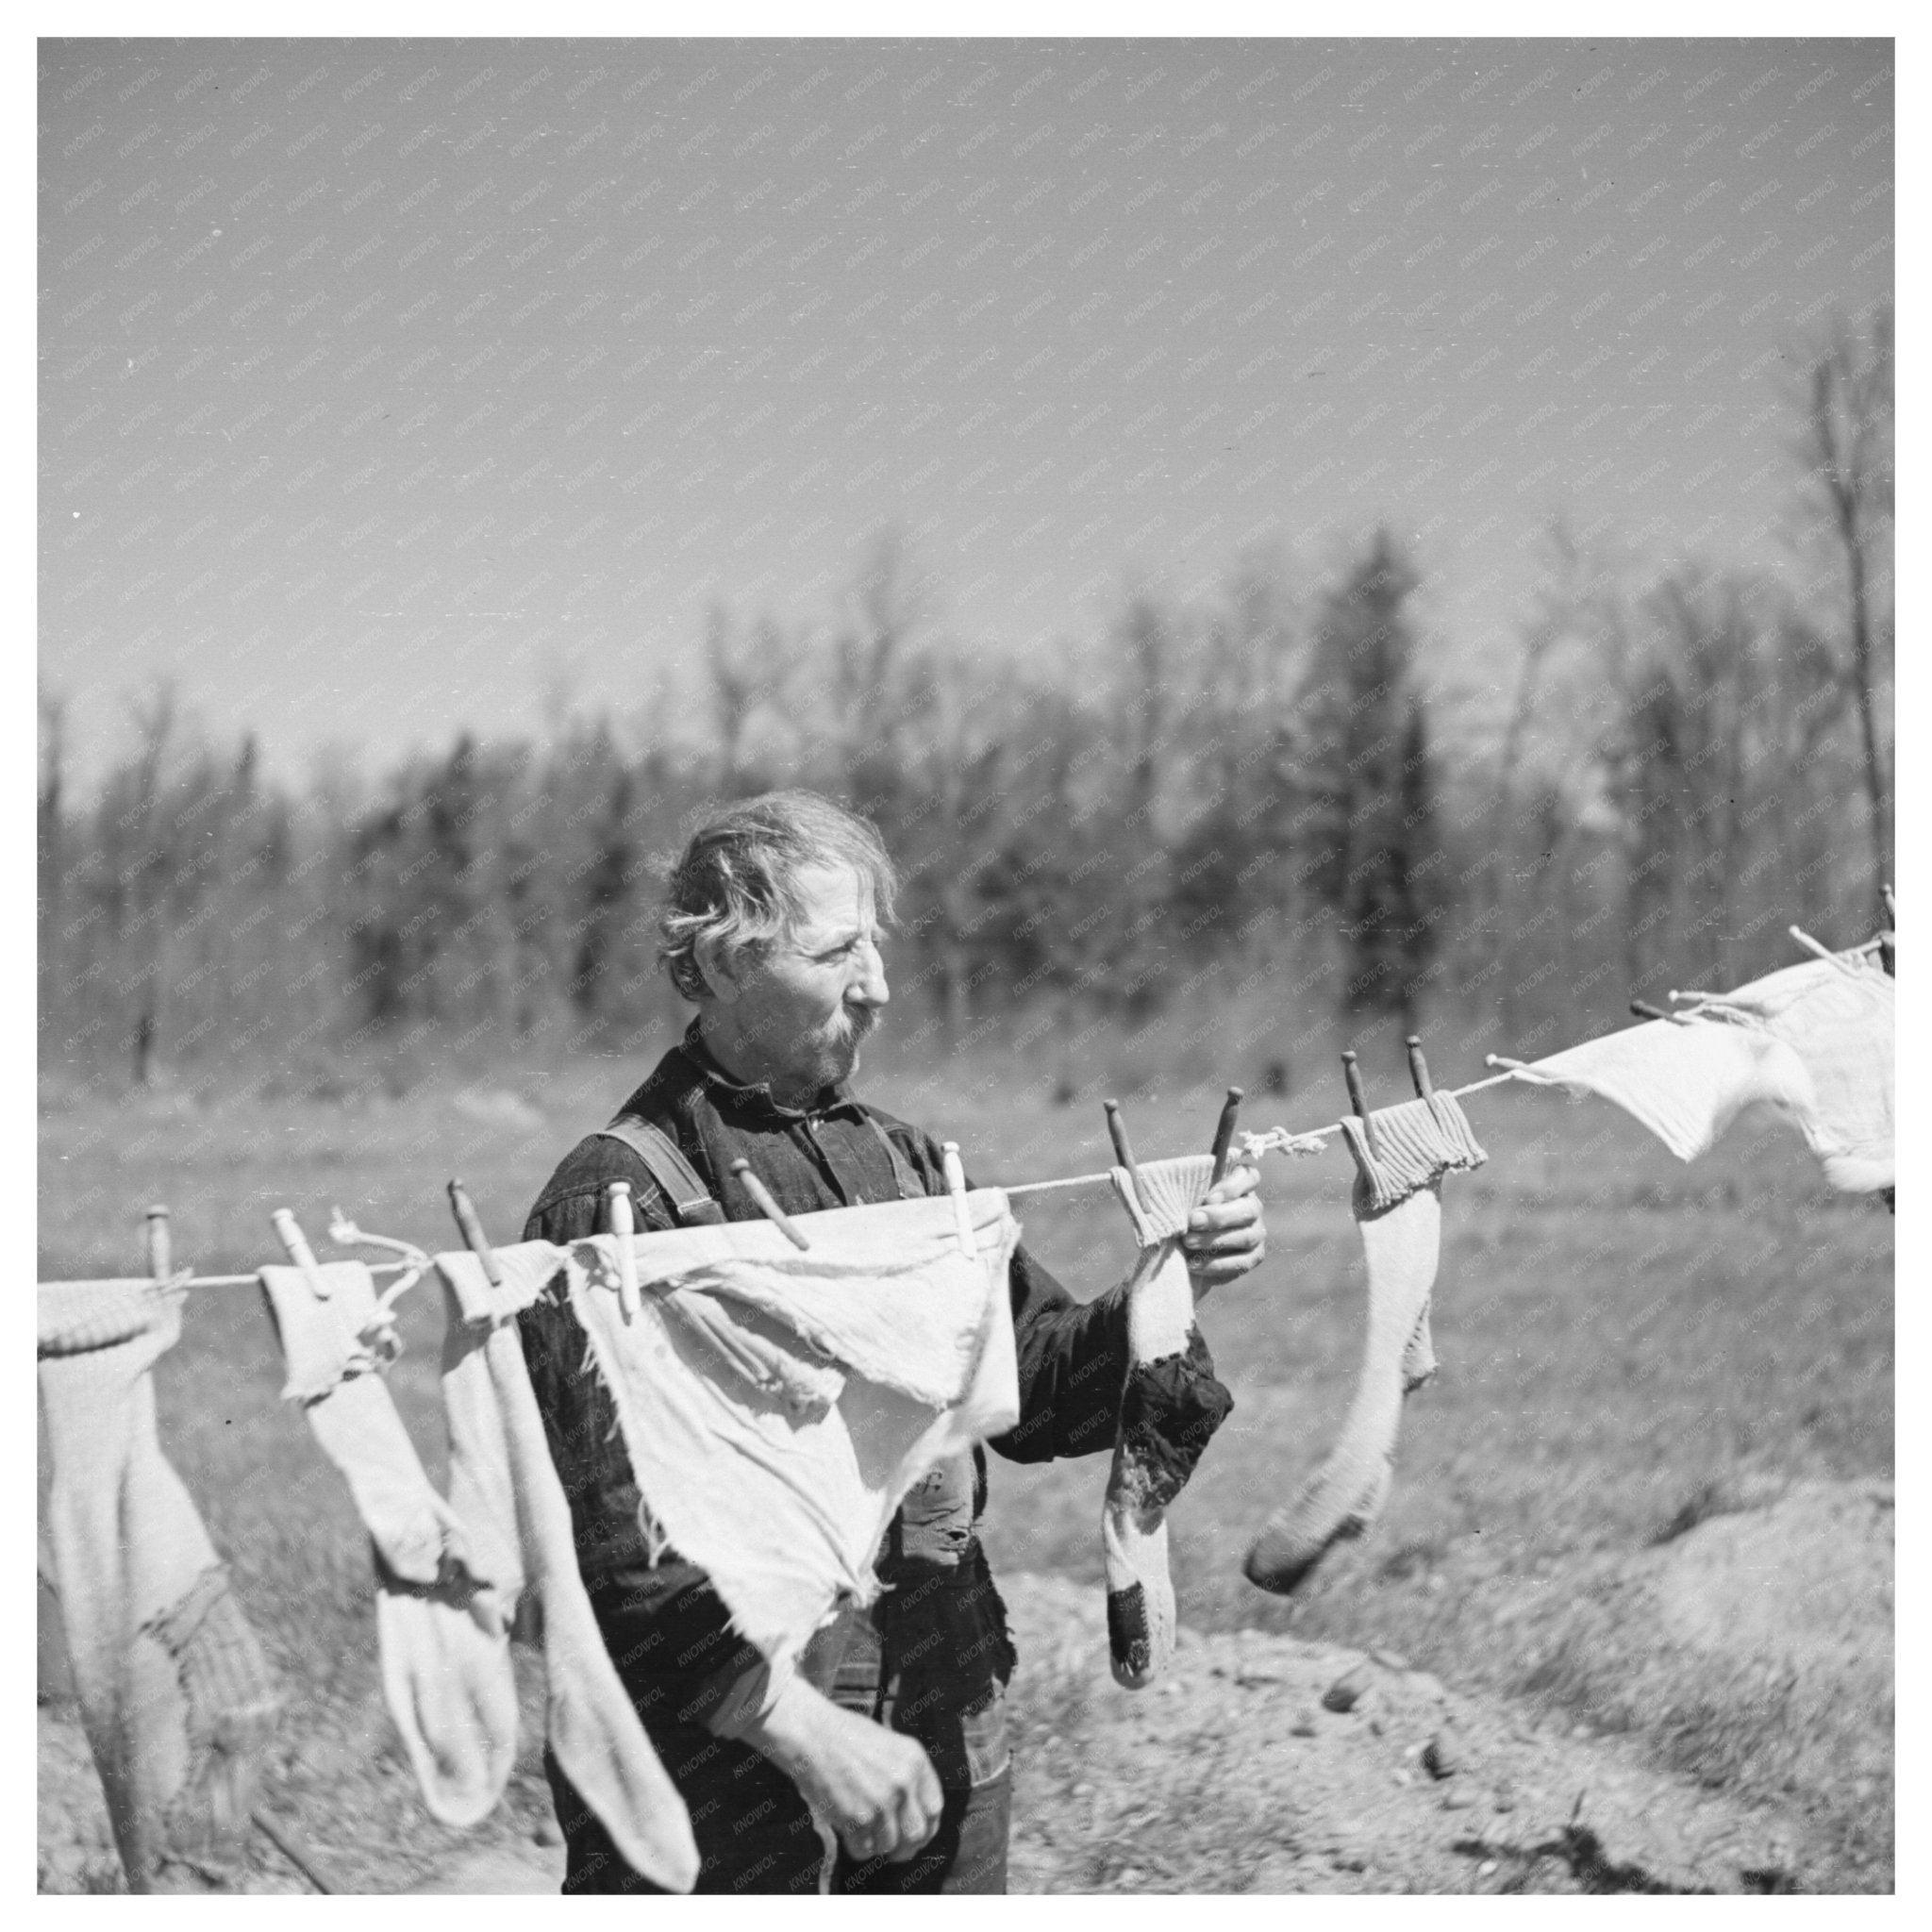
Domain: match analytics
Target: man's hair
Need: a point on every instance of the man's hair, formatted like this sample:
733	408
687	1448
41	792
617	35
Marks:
735	881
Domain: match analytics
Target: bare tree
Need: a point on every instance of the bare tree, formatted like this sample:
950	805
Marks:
152	867
863	685
1150	649
748	672
1846	448
51	845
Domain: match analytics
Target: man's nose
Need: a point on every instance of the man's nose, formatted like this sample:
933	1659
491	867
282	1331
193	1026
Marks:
869	987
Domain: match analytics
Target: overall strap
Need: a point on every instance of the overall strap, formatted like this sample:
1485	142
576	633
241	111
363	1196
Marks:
689	1199
910	1187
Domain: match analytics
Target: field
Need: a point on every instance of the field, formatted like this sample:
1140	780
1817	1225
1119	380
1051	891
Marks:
1630	1349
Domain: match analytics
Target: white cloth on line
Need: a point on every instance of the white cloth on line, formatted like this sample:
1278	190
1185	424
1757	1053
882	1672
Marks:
446	1591
1811	1041
1160	1197
449	1574
778	1404
177	1701
1397	1204
500	1468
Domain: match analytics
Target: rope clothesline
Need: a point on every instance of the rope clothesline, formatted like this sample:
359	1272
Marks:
1511	1070
1075	1180
1081	1180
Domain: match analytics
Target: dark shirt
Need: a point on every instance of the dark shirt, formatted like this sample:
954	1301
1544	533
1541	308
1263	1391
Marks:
667	1628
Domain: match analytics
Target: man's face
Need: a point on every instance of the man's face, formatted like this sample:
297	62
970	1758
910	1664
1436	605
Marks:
807	1002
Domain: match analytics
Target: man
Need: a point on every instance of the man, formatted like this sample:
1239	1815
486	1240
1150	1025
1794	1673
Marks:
772	928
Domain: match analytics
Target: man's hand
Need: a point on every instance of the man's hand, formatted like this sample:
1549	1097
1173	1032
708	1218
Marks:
876	1789
1224	1236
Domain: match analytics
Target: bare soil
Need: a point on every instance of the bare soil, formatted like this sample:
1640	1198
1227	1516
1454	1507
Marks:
1238	1772
1268	1763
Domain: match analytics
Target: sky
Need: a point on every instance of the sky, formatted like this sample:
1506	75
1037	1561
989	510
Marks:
389	387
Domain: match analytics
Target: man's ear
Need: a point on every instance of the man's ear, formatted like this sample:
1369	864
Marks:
715	963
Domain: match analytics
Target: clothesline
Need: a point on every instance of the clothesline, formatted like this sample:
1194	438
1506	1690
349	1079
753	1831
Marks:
1083	1180
1078	1180
1086	1180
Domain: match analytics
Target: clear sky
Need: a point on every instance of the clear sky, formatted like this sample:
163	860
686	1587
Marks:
385	383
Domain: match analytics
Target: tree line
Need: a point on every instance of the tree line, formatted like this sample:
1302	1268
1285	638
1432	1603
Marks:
1283	786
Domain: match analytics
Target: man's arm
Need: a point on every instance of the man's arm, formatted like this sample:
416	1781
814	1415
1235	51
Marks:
1073	1357
876	1789
1072	1360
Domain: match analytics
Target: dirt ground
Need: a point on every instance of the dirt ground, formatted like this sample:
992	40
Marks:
1239	1774
1265	1763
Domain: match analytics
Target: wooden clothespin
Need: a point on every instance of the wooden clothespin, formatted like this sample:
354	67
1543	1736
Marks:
1419	1067
472	1232
1644	1010
1824	952
955	1185
766	1206
159	1257
1358	1100
1224	1133
295	1245
1117	1128
617	1196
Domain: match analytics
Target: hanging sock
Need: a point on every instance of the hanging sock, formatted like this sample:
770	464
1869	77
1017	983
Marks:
1419	1355
1397	1204
176	1699
501	1459
446	1591
1170	1406
1813	1041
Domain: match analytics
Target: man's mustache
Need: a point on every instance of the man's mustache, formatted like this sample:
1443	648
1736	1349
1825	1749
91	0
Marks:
850	1025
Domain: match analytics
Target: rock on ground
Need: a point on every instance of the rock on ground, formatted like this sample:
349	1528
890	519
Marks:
1231	1774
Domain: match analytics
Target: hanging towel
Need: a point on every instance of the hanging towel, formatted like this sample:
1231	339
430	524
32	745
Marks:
1841	1026
1397	1204
445	1592
500	1468
177	1701
777	1405
1813	1040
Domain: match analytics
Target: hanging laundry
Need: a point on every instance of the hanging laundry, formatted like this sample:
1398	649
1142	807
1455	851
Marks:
1170	1406
500	1470
176	1699
446	1591
1397	1204
1841	1025
778	1405
1815	1041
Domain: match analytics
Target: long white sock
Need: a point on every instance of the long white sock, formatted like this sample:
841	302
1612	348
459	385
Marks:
176	1699
1402	1244
1166	1380
442	1580
594	1726
1397	1204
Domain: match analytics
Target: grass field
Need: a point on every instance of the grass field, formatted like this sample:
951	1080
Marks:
1626	1346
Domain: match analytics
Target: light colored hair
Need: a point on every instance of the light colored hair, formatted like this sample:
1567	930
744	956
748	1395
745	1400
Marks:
735	880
